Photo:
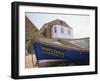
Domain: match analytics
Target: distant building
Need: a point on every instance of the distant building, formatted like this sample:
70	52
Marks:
57	29
30	28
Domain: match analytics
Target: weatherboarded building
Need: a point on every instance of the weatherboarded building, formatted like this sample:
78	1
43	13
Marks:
57	29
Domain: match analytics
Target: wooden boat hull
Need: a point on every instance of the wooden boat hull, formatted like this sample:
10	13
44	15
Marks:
48	52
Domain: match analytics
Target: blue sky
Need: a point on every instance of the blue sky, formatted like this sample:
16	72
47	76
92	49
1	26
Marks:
79	23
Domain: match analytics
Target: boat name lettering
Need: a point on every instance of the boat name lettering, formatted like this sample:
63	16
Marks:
50	51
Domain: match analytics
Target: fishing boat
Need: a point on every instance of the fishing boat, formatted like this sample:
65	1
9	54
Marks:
54	50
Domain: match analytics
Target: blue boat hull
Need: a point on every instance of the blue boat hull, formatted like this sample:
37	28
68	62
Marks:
48	52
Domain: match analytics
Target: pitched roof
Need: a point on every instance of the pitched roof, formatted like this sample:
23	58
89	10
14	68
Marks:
55	22
59	22
30	25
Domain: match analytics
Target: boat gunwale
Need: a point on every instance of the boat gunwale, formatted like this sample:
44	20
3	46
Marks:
63	47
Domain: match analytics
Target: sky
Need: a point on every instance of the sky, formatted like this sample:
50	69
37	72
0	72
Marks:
79	23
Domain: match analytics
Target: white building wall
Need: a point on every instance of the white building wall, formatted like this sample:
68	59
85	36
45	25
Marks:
59	34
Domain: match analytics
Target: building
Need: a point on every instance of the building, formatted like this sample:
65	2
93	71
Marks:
57	29
30	32
30	28
30	36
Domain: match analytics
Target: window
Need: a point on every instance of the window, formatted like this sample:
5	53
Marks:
69	32
55	29
62	30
